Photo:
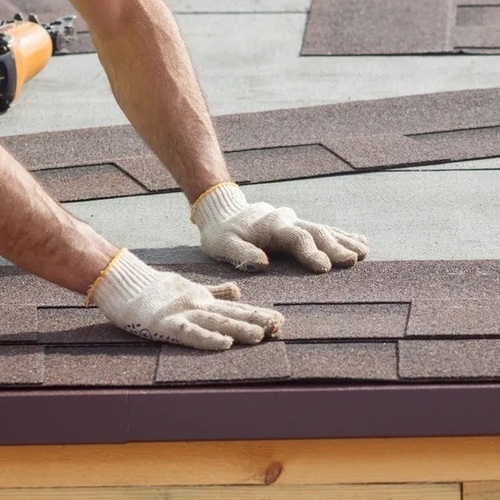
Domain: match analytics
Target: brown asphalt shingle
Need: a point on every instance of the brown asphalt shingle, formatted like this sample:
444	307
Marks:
341	325
362	361
88	182
101	365
388	27
343	321
21	365
267	362
18	323
449	359
454	318
78	325
276	145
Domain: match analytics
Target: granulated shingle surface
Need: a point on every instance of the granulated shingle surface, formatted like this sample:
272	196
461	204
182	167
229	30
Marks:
341	325
454	317
370	27
87	182
338	321
21	365
18	323
376	27
343	361
21	288
263	165
277	145
267	361
450	359
101	366
78	325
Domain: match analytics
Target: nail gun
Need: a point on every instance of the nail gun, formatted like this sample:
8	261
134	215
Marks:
25	49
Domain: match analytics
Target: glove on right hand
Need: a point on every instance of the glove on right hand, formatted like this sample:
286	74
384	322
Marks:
166	307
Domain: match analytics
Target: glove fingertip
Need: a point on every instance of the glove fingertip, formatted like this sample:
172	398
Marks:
318	262
226	291
348	260
254	265
221	343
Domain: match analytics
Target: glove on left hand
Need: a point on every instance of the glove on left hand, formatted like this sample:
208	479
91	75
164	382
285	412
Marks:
232	230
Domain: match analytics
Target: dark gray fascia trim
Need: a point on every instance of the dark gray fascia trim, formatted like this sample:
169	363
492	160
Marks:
235	413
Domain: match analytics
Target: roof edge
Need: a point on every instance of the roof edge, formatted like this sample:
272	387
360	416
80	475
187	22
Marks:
238	413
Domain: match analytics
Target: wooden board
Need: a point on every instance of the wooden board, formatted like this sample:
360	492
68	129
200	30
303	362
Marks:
349	461
306	492
481	491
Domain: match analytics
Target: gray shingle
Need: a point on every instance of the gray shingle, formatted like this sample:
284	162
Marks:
21	365
337	27
454	317
18	323
74	325
337	321
360	361
449	359
267	361
88	182
101	365
283	144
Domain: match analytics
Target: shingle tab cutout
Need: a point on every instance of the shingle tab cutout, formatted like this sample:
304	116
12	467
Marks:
343	325
389	27
276	145
87	182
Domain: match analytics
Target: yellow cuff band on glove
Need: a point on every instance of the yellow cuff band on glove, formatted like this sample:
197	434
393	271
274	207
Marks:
206	193
88	299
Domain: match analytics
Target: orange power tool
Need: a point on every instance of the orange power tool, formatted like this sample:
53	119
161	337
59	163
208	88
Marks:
25	49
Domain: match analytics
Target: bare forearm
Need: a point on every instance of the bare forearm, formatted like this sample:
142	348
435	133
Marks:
152	78
37	234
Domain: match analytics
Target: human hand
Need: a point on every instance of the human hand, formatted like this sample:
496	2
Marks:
232	230
166	307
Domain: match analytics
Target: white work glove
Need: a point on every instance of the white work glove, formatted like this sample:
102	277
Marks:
166	307
232	230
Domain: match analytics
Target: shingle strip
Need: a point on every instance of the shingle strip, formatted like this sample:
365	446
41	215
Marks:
18	323
276	145
292	162
79	325
449	359
21	365
366	27
360	361
88	182
101	365
343	321
18	287
389	27
69	148
434	318
267	361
